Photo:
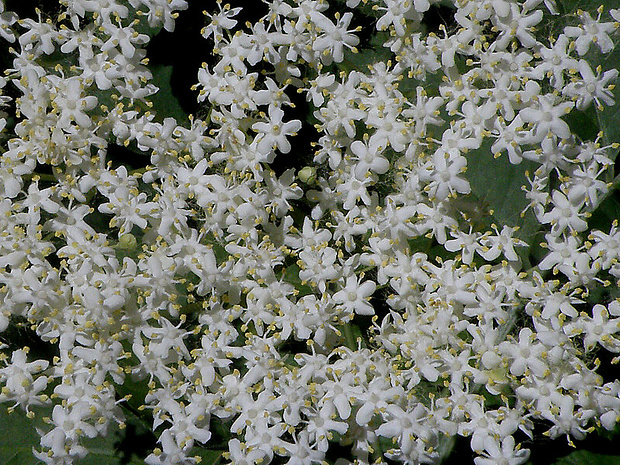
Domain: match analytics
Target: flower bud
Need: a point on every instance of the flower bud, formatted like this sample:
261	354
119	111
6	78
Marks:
127	242
307	175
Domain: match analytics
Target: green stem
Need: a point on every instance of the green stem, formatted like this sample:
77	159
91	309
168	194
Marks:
349	336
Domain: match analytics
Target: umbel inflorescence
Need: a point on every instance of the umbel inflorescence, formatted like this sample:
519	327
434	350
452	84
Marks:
367	303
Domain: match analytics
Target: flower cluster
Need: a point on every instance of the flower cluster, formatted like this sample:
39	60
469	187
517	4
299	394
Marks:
368	300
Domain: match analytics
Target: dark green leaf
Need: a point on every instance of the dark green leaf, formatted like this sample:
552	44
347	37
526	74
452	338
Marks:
583	457
143	27
606	213
18	437
608	118
291	276
363	58
209	457
165	104
126	446
352	333
585	124
136	389
497	185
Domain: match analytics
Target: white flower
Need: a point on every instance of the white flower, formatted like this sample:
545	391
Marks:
353	189
302	451
7	19
606	248
73	421
585	182
546	117
591	31
130	211
233	54
123	37
321	423
375	399
354	296
239	452
279	191
526	354
598	329
311	236
507	139
389	129
424	112
503	453
335	37
319	86
71	103
592	87
171	453
435	218
519	24
501	243
467	243
406	425
445	175
220	21
566	421
565	214
556	61
318	266
564	252
341	110
272	134
41	35
395	14
369	158
22	381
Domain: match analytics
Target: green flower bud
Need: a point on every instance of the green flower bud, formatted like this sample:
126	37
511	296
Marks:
127	242
307	175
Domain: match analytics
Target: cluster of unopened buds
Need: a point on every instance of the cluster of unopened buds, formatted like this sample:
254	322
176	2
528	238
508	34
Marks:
312	271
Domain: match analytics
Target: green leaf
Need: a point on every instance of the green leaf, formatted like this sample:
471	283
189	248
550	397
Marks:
165	104
609	116
497	184
584	457
209	457
118	448
291	276
364	57
352	333
606	213
585	124
143	26
136	389
18	438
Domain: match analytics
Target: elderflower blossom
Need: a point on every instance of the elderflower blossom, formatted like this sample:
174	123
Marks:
313	264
